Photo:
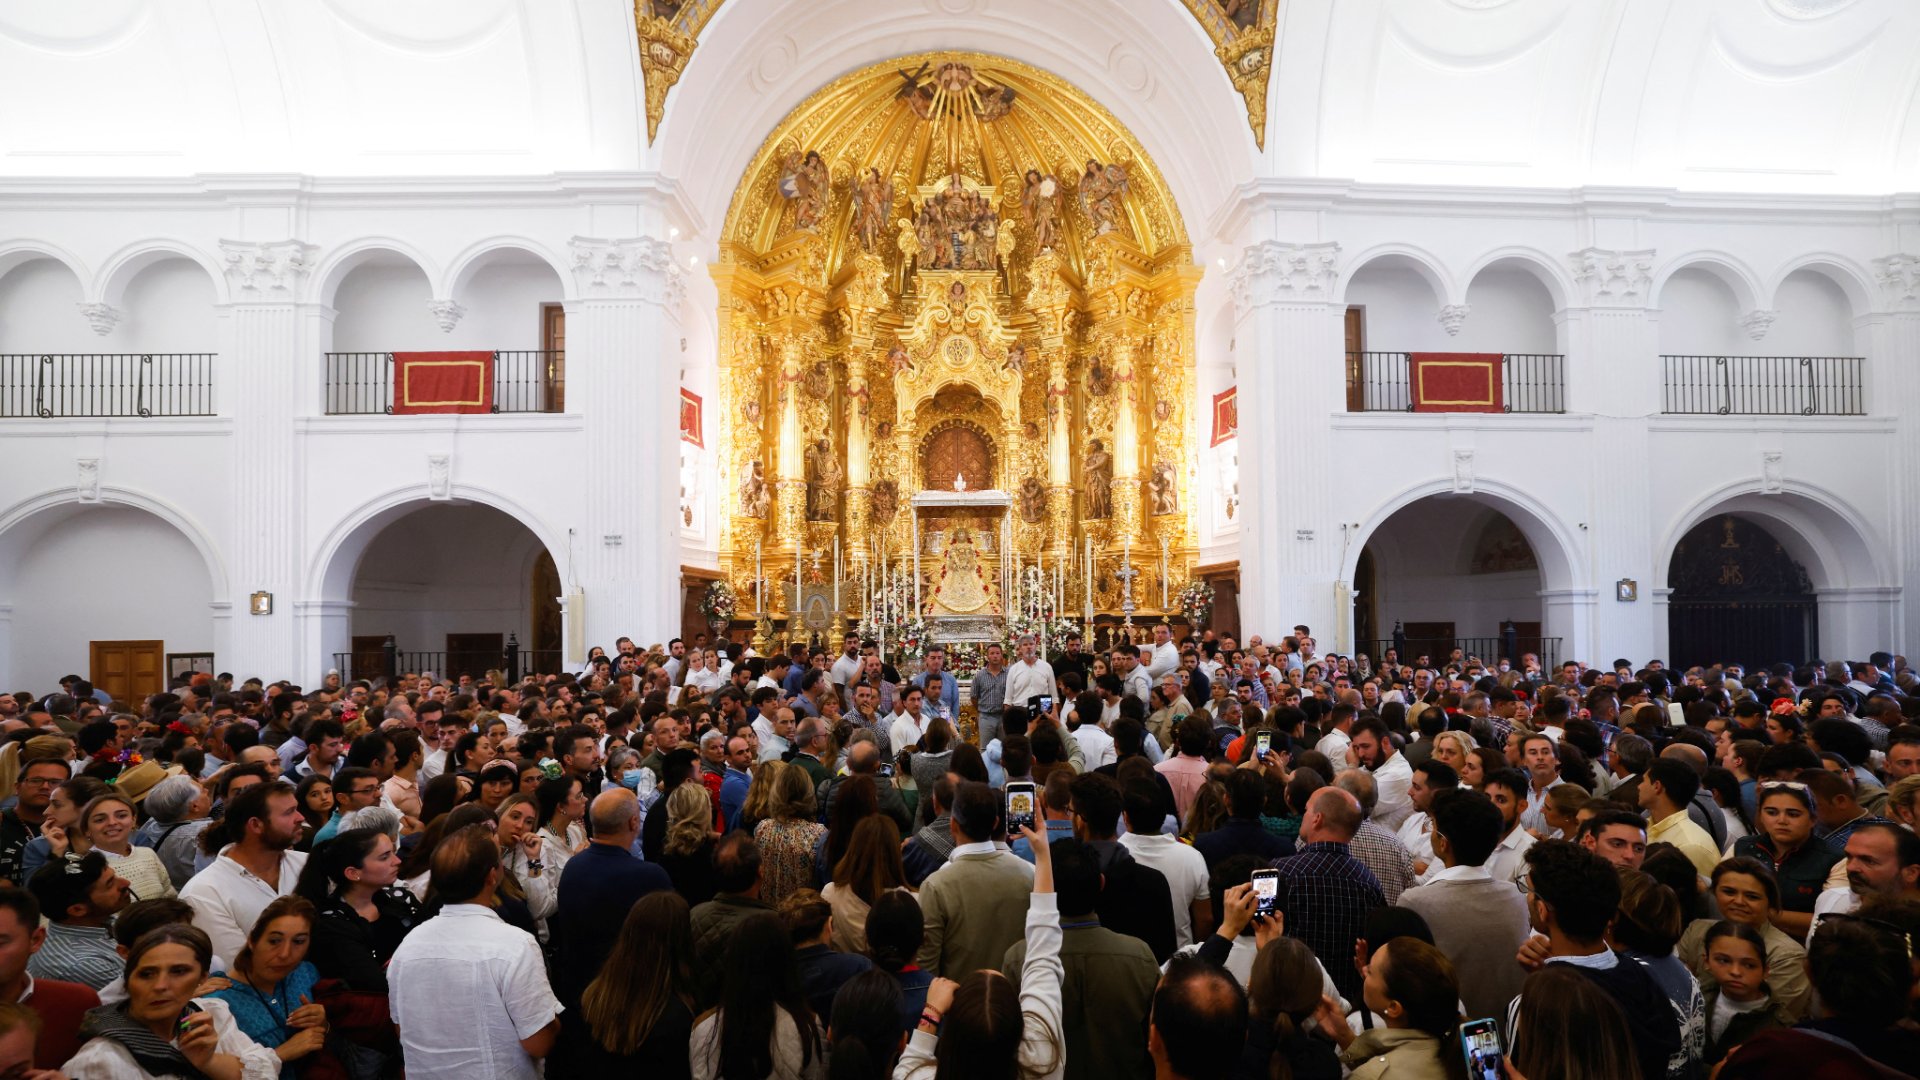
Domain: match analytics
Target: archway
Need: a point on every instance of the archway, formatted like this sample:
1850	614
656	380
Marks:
1738	597
113	592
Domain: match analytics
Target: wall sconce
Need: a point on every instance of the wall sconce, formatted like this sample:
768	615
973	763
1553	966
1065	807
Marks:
1626	590
260	603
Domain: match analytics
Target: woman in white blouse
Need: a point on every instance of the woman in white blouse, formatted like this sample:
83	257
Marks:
162	1030
528	857
110	821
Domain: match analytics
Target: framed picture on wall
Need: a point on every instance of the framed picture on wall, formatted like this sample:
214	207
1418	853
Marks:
188	663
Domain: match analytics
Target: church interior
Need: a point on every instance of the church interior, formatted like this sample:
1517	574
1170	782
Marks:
350	334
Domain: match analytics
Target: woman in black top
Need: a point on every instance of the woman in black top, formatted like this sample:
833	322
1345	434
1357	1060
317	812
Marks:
638	1012
363	917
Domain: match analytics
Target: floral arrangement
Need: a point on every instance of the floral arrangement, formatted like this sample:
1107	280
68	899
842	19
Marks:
719	602
127	758
1195	601
892	620
1033	613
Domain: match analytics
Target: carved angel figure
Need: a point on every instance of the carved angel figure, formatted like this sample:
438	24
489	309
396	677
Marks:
1033	500
898	359
1101	188
1165	489
1017	360
1097	475
1242	13
823	481
886	501
806	184
1040	198
818	383
872	198
753	490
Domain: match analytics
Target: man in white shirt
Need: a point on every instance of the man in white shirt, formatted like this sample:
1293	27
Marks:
1338	735
1028	676
676	658
252	872
1163	655
1133	677
1184	868
1430	778
1508	790
468	992
1542	762
1095	744
1372	749
847	667
905	727
1882	860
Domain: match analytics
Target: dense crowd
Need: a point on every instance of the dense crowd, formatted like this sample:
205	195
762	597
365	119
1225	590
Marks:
1189	859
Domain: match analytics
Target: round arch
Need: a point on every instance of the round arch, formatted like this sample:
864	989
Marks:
335	267
330	572
1828	537
1736	275
1552	542
1531	260
17	253
1405	257
1854	281
461	270
50	507
121	268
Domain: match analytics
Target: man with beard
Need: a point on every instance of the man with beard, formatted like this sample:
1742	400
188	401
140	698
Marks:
1372	749
1508	790
259	866
1883	859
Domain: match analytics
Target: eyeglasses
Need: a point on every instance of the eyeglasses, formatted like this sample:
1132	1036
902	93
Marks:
37	781
1878	924
1790	785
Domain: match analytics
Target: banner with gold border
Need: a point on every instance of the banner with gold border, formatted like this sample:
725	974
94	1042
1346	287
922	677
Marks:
1226	415
691	418
1456	382
442	382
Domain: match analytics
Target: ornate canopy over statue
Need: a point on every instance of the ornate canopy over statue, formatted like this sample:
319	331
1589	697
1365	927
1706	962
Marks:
955	267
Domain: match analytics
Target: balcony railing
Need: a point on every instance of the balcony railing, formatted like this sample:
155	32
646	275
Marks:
1487	650
524	381
1382	382
389	662
1763	385
55	385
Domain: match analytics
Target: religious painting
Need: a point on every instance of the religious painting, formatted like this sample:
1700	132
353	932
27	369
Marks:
1502	548
690	418
1226	415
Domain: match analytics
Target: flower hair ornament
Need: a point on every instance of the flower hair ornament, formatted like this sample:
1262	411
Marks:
180	727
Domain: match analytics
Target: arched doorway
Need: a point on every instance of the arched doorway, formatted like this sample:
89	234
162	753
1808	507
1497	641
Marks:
456	586
1738	596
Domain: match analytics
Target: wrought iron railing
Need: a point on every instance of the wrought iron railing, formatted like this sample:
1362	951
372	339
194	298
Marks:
524	381
56	385
1763	385
1529	382
1488	650
389	661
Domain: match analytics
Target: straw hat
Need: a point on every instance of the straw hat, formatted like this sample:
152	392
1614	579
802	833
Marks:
134	783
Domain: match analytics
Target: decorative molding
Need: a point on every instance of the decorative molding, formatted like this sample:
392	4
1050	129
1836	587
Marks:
87	479
1463	471
664	52
257	269
1756	323
1899	276
447	313
102	317
1613	278
639	268
1452	316
439	477
1271	272
1772	479
1245	49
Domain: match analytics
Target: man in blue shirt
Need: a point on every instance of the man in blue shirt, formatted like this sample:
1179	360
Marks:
597	889
943	691
733	785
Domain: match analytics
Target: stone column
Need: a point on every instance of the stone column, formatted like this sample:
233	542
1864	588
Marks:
270	327
623	352
1893	388
1290	370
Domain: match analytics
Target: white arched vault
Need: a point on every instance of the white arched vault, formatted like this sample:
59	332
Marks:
500	249
337	263
1398	256
17	253
1738	277
122	267
1533	261
1852	279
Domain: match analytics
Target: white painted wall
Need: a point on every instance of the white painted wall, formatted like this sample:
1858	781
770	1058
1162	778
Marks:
383	308
100	574
1700	317
1422	556
1512	313
1814	318
446	569
39	312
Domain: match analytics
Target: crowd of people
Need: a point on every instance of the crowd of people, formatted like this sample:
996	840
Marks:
1192	859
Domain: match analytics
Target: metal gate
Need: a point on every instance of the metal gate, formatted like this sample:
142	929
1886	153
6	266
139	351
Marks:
1738	597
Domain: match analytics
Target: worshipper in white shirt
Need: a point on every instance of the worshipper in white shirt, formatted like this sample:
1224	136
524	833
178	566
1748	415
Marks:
1371	748
468	992
1429	779
259	866
1161	657
1028	676
846	667
905	727
1508	790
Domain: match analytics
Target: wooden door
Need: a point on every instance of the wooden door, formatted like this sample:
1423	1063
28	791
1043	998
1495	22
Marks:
474	654
369	657
1434	639
1356	344
553	340
127	670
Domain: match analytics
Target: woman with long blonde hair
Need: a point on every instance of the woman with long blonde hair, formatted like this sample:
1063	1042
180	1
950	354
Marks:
759	802
788	835
687	855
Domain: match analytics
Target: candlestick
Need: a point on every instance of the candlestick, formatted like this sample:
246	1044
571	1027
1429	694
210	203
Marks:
794	610
836	573
1089	573
759	602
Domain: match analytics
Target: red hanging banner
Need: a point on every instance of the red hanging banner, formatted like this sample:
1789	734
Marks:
690	418
442	382
1456	382
1226	415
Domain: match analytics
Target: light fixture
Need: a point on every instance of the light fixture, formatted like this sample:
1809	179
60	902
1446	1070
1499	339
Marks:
693	260
673	232
260	603
1223	262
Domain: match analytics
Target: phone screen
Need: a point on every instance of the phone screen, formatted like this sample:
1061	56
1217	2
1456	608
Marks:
1046	703
1020	809
1266	892
1480	1040
1263	742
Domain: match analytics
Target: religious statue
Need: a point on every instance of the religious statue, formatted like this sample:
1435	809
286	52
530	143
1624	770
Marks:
960	586
1097	475
1162	411
1101	188
806	184
753	490
886	501
818	384
897	357
1017	360
1241	13
1165	488
1040	198
823	481
956	230
1097	384
872	198
750	408
1033	500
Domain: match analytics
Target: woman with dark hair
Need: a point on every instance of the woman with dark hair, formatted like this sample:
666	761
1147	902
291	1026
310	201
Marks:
1282	995
145	1036
867	1032
1646	928
870	868
271	985
983	1028
61	831
763	1026
896	928
638	1012
931	760
1482	762
968	763
854	800
363	914
529	874
1745	892
316	804
1570	1029
1733	807
1738	1001
1411	986
563	812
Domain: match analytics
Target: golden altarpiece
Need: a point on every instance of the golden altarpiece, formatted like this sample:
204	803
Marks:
956	337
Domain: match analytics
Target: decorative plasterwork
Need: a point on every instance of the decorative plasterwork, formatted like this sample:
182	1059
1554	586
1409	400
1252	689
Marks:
1463	479
86	485
1242	33
1899	275
1772	468
439	477
446	313
1613	278
1271	272
102	317
1757	323
259	269
639	268
1453	316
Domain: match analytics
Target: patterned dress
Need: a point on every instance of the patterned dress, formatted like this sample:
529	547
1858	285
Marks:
786	857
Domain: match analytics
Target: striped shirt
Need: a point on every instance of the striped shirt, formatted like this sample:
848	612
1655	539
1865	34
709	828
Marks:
77	954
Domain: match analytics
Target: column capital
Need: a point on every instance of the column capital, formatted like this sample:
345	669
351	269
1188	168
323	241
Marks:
1899	278
633	268
1272	272
102	317
1612	278
269	271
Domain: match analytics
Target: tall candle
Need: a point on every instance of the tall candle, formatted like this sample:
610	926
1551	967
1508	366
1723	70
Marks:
836	572
758	603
